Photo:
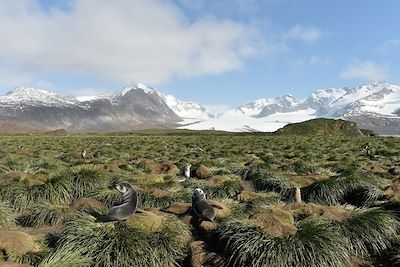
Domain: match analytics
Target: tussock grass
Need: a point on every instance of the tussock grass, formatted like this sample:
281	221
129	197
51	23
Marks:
314	244
118	244
66	256
151	200
44	214
266	181
230	187
31	258
6	216
259	202
86	180
107	196
351	186
369	231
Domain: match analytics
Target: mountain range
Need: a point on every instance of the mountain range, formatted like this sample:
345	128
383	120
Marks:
374	106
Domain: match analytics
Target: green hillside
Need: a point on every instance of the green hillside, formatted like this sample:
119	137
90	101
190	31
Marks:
333	127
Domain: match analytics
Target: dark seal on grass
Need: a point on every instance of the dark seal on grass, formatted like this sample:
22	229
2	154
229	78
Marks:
129	203
201	207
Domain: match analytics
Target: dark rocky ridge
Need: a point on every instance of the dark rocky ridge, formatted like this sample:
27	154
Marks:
121	113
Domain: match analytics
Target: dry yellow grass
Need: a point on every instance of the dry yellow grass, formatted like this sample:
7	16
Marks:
275	221
333	213
17	242
146	220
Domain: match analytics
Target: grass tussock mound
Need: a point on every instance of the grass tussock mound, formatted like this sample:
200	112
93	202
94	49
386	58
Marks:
120	244
351	186
317	242
44	214
314	244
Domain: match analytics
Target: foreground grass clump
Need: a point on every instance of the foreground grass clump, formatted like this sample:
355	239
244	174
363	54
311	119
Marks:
317	241
59	188
6	216
314	244
350	186
44	214
66	256
266	181
119	244
368	231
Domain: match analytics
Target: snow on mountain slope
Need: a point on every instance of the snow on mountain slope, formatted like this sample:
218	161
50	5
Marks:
255	108
369	105
186	109
231	121
31	96
386	101
321	98
337	107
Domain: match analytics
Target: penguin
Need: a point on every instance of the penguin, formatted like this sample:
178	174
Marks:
83	154
128	203
186	175
201	207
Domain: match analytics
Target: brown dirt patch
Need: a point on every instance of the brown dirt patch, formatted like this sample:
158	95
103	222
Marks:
217	180
179	208
86	203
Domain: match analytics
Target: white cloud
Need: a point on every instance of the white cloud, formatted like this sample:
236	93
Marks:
388	46
366	70
307	35
127	41
312	60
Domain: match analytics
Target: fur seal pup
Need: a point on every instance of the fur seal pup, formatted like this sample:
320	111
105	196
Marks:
186	175
128	203
201	207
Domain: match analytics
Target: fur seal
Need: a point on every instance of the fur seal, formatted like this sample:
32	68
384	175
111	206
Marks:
128	203
201	207
186	175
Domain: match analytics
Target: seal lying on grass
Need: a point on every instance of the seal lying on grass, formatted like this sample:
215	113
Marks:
128	203
201	207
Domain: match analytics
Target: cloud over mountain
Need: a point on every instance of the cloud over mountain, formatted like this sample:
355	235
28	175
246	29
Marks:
149	40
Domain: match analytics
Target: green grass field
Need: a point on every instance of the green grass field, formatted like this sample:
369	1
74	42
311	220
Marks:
51	196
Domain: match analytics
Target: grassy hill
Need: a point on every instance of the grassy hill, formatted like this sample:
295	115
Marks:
321	126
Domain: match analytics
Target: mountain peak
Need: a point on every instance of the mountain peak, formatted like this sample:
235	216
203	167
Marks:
138	86
25	89
26	94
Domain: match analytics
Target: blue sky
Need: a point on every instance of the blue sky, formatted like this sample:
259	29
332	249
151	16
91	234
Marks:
213	52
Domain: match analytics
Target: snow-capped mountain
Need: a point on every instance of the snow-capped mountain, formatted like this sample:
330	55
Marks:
374	106
187	110
264	105
31	96
131	108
